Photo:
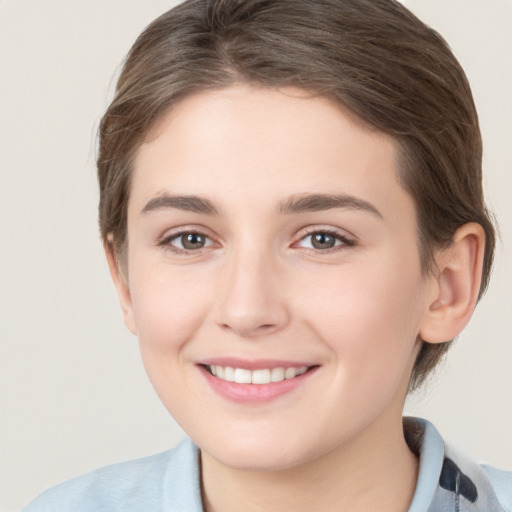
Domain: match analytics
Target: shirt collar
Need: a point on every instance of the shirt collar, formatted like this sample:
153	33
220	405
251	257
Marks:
426	442
183	482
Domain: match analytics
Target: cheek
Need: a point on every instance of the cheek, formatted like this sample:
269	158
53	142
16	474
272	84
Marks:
168	311
370	318
168	308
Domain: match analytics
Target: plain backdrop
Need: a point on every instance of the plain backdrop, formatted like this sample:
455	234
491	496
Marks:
73	393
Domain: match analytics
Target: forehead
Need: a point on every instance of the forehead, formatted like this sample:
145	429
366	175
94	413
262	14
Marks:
259	145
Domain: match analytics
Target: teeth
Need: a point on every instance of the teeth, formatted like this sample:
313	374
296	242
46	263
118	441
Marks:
242	376
261	377
277	374
264	376
229	374
289	373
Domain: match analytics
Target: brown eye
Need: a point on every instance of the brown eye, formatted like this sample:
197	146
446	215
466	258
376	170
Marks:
187	241
191	241
323	241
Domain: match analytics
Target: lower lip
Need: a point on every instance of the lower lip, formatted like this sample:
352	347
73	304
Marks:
254	393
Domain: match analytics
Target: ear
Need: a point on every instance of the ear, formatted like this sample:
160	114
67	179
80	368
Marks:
456	287
122	288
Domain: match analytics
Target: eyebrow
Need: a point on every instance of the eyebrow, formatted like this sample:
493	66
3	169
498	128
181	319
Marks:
194	204
295	204
319	202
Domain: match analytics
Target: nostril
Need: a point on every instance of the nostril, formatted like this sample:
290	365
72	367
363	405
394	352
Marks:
249	330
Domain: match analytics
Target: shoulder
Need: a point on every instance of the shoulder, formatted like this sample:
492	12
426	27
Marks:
151	483
448	480
481	486
501	482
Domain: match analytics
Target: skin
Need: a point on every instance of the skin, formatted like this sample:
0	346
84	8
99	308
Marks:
259	289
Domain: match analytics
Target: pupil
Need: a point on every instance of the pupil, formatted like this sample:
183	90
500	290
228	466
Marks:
323	241
192	241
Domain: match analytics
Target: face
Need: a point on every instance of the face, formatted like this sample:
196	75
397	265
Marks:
273	275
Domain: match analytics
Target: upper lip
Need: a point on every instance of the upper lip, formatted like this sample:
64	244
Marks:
253	364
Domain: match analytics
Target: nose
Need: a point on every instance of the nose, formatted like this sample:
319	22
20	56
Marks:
251	300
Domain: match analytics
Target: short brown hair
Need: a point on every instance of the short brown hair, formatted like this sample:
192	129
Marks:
372	56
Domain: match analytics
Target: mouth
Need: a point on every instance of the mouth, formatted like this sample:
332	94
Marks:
255	381
259	377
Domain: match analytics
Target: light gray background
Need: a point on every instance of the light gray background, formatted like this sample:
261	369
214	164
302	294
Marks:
73	393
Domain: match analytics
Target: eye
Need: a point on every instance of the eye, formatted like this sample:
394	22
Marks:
187	241
324	240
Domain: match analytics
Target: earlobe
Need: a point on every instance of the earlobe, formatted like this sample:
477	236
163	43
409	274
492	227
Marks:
457	285
122	288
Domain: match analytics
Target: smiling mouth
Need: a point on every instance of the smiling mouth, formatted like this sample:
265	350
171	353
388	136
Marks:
260	376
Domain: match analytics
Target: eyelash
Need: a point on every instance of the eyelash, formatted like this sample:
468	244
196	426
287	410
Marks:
345	241
166	241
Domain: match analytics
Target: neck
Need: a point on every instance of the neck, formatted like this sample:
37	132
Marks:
369	472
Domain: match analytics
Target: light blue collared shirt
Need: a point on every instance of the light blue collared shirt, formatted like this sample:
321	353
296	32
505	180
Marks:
170	482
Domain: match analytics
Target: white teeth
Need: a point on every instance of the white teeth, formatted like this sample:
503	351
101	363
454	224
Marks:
243	376
229	374
260	377
277	374
263	376
289	373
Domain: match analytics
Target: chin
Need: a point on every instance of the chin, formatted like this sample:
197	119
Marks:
258	454
257	462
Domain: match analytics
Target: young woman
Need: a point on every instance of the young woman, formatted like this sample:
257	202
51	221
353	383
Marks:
292	211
